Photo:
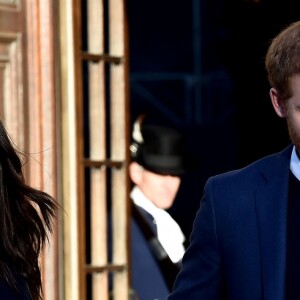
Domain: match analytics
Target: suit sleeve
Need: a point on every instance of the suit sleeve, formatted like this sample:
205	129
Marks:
200	274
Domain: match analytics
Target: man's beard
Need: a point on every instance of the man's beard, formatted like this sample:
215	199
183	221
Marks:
294	136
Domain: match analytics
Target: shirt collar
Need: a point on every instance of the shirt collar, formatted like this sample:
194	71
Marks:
295	164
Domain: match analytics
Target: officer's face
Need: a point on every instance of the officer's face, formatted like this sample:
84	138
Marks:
160	189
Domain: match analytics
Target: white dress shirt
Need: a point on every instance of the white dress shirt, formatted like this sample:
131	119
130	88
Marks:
295	164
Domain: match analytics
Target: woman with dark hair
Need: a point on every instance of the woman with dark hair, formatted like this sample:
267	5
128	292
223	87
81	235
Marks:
26	216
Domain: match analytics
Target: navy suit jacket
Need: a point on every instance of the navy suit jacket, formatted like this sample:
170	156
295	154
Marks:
238	242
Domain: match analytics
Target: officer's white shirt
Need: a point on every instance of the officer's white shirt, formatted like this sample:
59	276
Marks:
168	231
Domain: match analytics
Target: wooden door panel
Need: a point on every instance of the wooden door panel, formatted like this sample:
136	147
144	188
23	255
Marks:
11	60
10	20
11	85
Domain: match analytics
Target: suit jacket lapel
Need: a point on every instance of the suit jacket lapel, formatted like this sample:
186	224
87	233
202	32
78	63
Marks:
271	204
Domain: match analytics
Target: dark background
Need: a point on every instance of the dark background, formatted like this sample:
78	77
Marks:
199	65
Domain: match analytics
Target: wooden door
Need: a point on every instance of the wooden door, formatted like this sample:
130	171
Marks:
28	102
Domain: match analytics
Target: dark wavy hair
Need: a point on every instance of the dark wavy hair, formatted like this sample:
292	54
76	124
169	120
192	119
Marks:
26	218
282	60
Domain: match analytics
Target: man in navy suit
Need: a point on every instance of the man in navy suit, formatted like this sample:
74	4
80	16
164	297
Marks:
157	242
245	243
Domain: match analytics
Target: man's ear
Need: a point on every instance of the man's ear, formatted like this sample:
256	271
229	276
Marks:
277	103
135	172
